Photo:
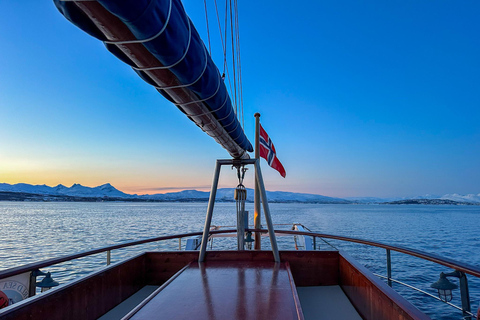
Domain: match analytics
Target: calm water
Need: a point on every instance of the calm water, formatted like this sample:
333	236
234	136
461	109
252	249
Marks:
36	231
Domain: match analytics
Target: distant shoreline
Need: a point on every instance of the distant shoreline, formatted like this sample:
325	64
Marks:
32	197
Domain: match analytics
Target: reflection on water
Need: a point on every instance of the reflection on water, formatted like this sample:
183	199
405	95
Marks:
36	231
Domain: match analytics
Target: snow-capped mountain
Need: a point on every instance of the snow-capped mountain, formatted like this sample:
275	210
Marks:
26	188
223	194
282	196
370	199
227	194
107	190
177	196
76	190
462	198
470	198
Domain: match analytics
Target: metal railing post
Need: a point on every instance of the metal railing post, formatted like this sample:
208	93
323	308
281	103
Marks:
256	200
32	289
109	257
266	210
464	294
389	268
208	218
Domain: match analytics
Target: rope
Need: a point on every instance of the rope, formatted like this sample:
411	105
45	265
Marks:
226	27
201	100
231	8
208	29
232	30
148	39
231	11
179	60
221	38
233	77
192	83
240	197
239	64
225	72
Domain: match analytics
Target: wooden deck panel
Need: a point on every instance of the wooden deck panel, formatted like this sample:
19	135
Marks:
86	298
313	268
372	298
309	268
226	290
92	296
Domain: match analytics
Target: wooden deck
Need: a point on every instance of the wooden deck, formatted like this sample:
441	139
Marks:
227	290
229	285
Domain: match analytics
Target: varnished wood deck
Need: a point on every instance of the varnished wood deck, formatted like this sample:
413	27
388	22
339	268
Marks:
234	285
227	290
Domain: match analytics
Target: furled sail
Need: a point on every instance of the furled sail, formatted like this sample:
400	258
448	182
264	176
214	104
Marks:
158	40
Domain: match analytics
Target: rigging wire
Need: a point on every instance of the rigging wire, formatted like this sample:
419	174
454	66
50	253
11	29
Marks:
226	31
239	64
232	31
208	29
231	73
226	40
225	73
221	38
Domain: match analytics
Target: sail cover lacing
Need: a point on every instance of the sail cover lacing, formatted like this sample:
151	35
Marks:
159	41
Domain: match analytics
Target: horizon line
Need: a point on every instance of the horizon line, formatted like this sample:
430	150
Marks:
195	188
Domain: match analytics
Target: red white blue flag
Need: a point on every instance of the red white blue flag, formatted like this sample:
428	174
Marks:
267	151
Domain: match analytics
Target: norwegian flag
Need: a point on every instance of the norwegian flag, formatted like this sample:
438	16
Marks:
267	151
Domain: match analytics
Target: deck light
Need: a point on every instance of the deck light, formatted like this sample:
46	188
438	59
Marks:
47	282
444	287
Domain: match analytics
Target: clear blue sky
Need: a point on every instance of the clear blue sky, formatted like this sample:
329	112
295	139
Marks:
361	98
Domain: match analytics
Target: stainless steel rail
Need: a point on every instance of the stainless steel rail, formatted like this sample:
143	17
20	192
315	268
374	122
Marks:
45	263
447	262
422	291
469	269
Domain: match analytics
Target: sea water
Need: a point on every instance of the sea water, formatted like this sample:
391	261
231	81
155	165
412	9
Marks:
34	231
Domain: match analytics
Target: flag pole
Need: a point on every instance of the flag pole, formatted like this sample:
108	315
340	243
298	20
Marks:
257	213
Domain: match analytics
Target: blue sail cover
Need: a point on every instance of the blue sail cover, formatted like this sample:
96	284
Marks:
165	30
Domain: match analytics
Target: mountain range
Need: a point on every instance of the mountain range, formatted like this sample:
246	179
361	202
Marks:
77	192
